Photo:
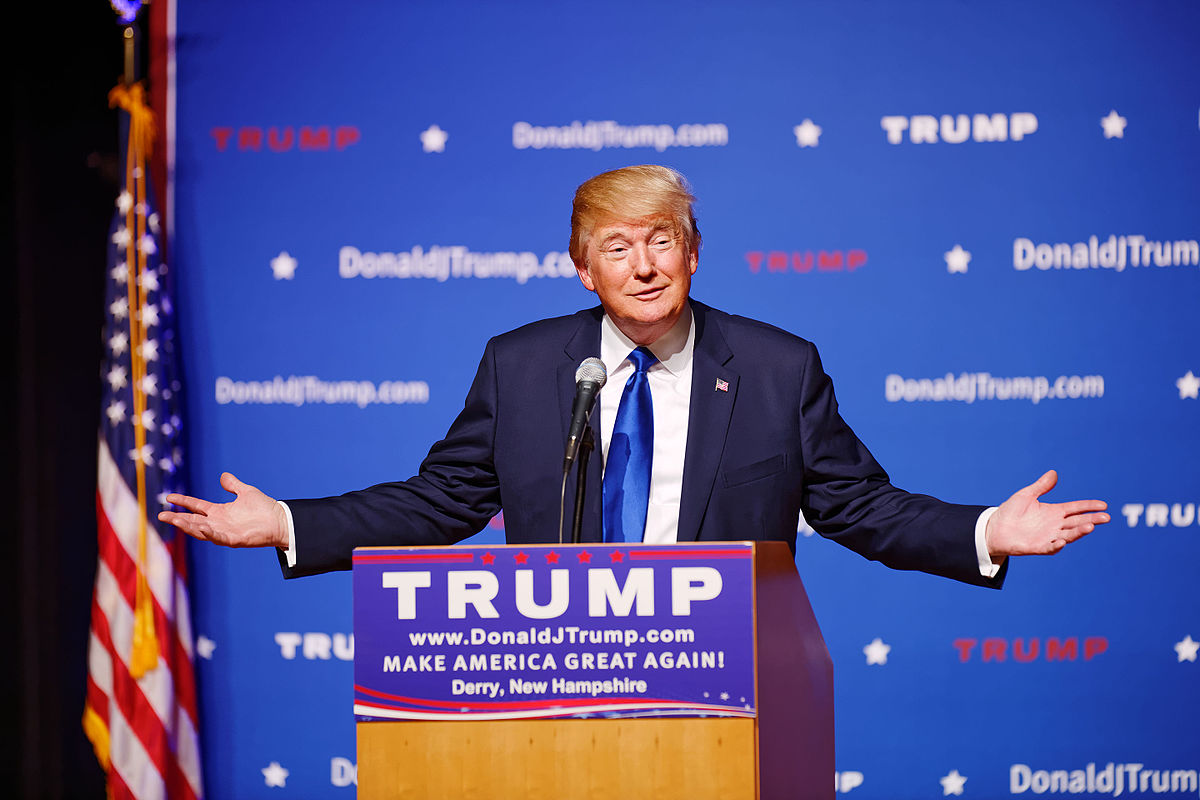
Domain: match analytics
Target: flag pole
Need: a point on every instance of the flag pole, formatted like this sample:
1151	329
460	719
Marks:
129	96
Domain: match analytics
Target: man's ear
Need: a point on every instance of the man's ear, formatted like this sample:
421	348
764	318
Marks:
585	277
694	261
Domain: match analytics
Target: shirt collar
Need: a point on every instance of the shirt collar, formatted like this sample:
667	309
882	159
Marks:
673	349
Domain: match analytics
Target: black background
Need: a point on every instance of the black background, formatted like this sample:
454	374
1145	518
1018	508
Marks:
58	196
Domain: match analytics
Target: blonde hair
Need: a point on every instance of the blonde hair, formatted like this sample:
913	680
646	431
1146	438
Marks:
647	191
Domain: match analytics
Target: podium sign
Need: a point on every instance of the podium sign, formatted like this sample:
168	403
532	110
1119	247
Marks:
549	631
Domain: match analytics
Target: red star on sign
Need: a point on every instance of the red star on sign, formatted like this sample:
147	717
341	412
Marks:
552	558
488	558
615	555
521	558
584	557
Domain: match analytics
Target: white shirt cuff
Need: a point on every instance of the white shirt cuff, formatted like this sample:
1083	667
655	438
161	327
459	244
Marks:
987	568
290	553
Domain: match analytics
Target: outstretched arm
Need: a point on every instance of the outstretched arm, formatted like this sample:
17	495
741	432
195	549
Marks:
252	519
1023	525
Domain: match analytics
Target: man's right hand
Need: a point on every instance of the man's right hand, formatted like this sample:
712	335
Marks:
252	520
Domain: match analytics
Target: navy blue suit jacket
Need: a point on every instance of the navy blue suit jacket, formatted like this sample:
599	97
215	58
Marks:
771	445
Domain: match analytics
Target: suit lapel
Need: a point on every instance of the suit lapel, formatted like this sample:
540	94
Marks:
585	342
708	420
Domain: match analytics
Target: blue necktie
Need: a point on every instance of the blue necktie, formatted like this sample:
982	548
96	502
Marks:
630	454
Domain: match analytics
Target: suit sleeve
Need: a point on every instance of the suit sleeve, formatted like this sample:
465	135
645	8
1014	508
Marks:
849	498
453	495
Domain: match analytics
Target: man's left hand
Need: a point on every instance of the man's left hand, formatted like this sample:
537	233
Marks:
1023	525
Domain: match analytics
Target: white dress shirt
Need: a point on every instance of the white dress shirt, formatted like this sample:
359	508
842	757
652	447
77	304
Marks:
671	394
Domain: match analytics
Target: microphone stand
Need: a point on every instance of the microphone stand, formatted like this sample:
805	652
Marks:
586	444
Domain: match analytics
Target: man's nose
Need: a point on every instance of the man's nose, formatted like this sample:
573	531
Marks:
643	261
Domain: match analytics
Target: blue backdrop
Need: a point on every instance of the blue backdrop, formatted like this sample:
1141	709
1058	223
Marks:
1005	194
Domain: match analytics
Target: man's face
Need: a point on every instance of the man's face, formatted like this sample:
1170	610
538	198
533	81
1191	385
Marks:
642	271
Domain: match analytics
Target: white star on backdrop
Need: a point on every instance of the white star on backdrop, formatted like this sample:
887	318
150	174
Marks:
148	418
284	266
1114	125
205	647
121	237
1189	386
807	134
146	245
877	652
433	139
275	775
149	350
957	259
952	783
150	384
1187	649
120	273
124	202
149	281
115	412
149	315
119	308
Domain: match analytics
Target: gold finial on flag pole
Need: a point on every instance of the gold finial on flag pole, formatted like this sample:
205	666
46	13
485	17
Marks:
130	37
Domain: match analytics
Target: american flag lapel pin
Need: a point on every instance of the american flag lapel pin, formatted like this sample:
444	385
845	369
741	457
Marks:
722	386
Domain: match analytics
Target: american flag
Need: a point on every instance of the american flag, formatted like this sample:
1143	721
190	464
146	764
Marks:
140	712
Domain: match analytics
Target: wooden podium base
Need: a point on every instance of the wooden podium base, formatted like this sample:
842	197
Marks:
596	759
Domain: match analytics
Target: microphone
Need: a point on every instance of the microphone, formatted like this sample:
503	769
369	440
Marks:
590	376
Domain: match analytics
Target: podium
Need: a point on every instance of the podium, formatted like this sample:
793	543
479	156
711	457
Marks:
589	671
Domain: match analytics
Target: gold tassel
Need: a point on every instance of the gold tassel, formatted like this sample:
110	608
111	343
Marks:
97	732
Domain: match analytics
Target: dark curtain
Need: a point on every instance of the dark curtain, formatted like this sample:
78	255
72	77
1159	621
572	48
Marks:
59	194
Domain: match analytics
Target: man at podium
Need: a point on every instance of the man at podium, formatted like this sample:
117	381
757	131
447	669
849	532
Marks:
710	426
